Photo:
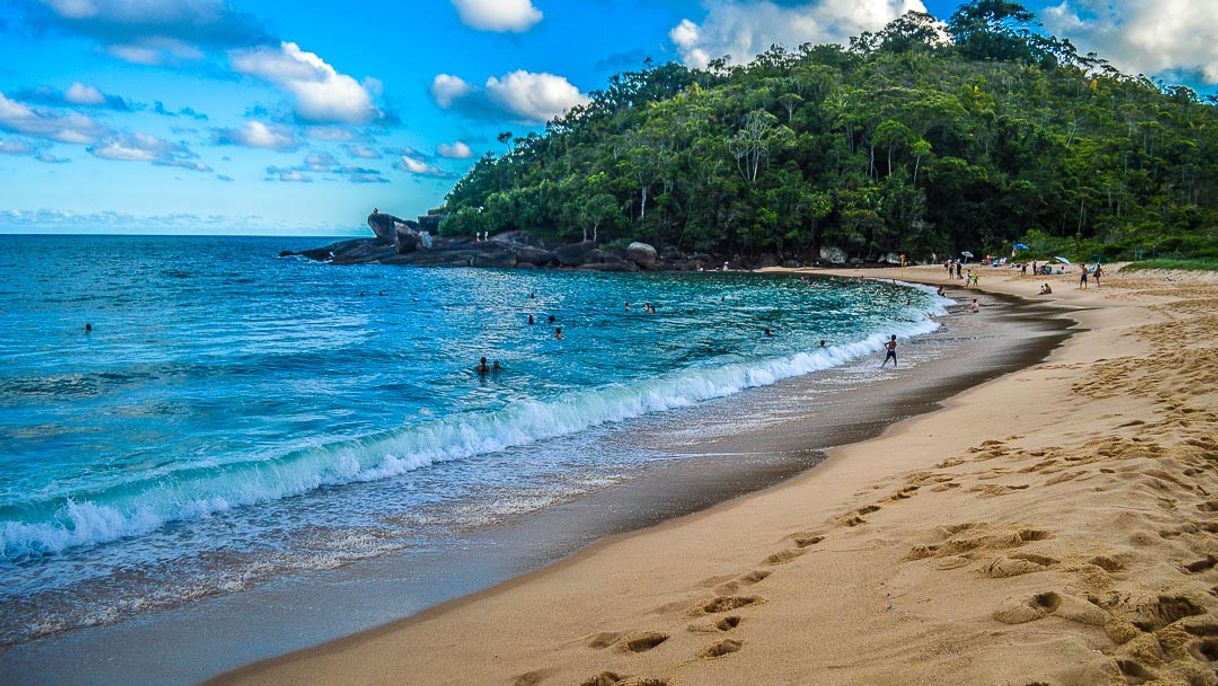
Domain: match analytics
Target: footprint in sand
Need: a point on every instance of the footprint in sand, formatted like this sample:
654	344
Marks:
784	556
1016	564
748	579
725	647
614	679
725	603
1020	610
719	626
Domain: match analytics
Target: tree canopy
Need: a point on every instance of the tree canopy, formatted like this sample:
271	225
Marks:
922	137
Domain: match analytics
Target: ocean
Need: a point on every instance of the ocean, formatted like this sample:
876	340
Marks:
234	416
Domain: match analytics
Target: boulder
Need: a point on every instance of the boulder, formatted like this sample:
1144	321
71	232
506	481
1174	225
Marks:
499	258
642	254
833	255
767	260
610	266
892	258
535	256
670	253
405	240
790	264
598	255
574	254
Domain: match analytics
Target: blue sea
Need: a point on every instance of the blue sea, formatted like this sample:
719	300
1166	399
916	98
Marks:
234	416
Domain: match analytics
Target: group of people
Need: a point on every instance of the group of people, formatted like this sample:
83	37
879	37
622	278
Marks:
647	308
954	266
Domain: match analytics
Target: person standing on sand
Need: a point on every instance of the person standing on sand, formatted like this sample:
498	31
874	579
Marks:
890	346
1082	279
1099	271
1023	268
959	269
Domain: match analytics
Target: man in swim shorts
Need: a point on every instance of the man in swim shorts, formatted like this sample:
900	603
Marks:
891	347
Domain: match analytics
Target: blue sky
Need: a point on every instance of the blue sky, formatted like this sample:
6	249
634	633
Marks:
226	116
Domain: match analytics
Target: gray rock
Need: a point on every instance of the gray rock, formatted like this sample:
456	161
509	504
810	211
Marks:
501	259
892	258
574	254
670	253
643	254
537	257
833	255
405	240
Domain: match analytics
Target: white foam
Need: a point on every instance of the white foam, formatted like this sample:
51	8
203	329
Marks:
142	507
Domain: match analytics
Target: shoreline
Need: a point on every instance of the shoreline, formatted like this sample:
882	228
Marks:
265	671
659	492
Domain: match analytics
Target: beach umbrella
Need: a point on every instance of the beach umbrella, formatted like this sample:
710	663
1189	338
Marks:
966	253
1021	246
1061	259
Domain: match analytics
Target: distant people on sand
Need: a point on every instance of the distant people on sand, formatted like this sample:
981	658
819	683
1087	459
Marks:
890	348
1045	289
1023	268
558	334
959	269
1099	271
1082	279
975	307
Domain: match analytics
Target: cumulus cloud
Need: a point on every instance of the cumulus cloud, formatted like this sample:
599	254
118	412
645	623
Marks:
1143	36
154	31
324	166
446	89
159	108
516	16
321	93
740	29
419	167
255	134
77	95
17	117
17	147
361	152
143	147
455	150
521	96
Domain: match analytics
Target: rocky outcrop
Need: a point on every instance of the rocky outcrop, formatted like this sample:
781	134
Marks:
641	254
515	249
384	225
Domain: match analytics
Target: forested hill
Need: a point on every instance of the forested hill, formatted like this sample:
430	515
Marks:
919	138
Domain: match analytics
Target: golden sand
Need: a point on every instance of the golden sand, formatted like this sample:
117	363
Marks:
1058	525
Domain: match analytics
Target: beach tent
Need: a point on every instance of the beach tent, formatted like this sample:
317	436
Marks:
1021	246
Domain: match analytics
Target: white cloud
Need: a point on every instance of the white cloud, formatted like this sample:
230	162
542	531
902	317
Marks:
1146	36
321	93
455	150
516	16
16	147
534	97
143	147
66	128
418	167
446	89
523	96
80	94
330	133
255	134
362	152
741	29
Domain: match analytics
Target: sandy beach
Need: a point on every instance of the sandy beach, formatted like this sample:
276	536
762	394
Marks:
1055	525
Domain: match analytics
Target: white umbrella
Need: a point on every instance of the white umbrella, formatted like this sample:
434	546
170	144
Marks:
1061	259
966	253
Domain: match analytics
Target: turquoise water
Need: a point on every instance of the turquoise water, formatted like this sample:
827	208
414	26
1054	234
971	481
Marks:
234	415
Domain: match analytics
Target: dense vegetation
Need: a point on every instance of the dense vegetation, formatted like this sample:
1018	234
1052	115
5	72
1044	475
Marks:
920	138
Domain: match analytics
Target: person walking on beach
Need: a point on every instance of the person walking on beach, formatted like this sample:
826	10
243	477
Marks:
1023	268
891	347
1082	279
1099	271
959	269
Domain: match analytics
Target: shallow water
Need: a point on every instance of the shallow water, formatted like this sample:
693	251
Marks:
234	415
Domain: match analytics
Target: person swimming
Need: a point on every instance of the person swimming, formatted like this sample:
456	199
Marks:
627	307
768	332
482	367
822	344
531	320
496	367
551	319
558	334
88	327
